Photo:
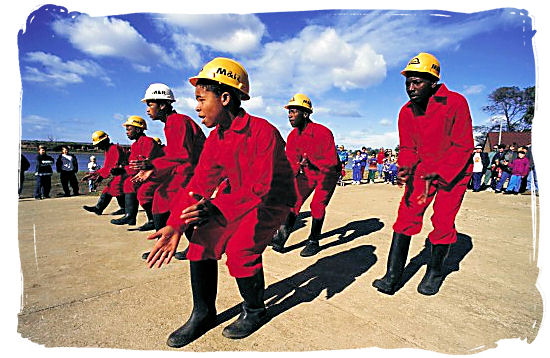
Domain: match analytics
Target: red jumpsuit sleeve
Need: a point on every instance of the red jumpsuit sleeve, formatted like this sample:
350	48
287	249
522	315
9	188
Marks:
257	182
408	153
111	160
206	178
461	145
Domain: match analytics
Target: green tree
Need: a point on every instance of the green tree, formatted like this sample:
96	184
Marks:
515	106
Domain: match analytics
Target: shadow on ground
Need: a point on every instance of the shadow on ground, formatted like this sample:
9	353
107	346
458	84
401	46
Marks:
457	252
346	233
333	274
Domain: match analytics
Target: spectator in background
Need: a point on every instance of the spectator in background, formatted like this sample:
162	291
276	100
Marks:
24	165
380	163
520	170
488	170
372	164
356	168
386	170
393	171
92	167
67	167
481	162
505	173
364	157
43	173
342	154
511	153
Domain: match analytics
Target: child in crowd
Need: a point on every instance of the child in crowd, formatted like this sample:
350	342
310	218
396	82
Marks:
92	167
371	162
520	169
393	171
356	168
386	170
505	173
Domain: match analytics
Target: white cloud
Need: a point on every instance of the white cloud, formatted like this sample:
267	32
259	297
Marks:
254	104
398	37
385	122
230	33
315	61
54	71
357	139
473	89
110	37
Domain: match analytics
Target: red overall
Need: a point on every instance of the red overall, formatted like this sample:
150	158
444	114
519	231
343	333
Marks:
247	166
143	148
184	142
114	156
440	141
321	171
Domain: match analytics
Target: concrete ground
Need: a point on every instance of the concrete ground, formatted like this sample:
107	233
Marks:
85	285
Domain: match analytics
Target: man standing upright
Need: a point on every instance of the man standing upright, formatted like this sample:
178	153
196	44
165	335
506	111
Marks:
311	151
435	148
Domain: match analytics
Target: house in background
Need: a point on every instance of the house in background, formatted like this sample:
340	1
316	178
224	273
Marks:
507	138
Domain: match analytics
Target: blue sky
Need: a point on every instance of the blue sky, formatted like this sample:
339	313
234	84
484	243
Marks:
81	73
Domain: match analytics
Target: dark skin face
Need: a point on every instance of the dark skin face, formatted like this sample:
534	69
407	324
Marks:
132	132
297	118
419	89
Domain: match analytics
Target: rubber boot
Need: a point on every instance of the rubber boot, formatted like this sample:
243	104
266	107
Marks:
121	205
254	313
432	280
159	220
396	264
312	243
101	204
182	255
281	236
204	285
131	208
150	224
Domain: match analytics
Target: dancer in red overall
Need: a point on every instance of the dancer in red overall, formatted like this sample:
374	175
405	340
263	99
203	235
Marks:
138	192
316	167
184	142
435	146
240	193
115	159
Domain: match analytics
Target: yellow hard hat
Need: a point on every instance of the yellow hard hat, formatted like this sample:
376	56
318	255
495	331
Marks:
226	71
98	136
135	121
157	139
423	62
300	100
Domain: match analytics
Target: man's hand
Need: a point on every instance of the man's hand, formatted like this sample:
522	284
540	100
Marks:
199	213
140	164
168	240
403	175
142	176
429	178
90	176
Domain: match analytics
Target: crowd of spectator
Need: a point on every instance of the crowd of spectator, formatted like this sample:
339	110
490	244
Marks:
507	169
380	166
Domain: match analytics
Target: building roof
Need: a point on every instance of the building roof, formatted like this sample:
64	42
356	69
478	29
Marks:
507	138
